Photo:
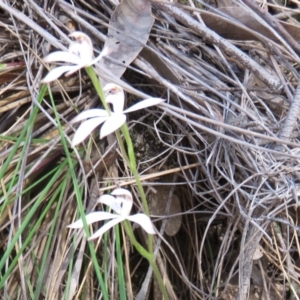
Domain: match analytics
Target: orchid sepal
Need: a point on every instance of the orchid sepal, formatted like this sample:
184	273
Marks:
114	122
144	104
144	221
93	217
57	72
85	129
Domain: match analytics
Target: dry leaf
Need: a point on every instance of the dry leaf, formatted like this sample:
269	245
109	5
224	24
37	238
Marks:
230	29
158	204
129	28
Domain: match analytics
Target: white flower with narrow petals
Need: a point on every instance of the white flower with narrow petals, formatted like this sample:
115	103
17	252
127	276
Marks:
80	54
120	201
114	95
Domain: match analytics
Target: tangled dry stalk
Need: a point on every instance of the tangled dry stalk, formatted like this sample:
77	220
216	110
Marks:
223	157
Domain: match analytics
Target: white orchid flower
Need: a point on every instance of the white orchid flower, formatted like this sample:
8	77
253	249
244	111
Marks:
114	95
120	201
80	54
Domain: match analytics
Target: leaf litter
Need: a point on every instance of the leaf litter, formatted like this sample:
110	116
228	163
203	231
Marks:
231	123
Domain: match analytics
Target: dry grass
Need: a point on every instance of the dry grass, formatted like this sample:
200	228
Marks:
225	148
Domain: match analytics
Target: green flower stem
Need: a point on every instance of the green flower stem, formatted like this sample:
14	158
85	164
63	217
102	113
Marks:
99	90
97	86
131	162
131	154
149	256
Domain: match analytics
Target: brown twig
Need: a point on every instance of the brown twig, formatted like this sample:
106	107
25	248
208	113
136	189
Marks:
292	116
224	45
274	23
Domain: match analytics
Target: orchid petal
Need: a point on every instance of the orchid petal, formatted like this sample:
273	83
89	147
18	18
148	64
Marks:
121	192
144	221
113	122
95	60
114	94
126	207
83	46
82	51
93	217
144	104
85	129
80	36
106	227
57	72
125	197
63	56
117	102
111	202
105	51
106	198
91	113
